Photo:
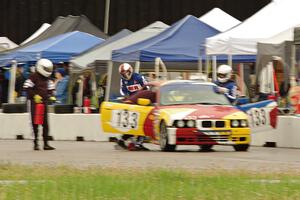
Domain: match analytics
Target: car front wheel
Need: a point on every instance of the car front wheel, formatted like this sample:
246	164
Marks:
206	147
163	139
241	147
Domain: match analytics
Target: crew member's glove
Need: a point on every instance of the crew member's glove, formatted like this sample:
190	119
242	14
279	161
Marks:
38	99
52	99
15	94
223	90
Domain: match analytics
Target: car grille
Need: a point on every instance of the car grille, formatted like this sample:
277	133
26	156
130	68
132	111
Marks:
211	124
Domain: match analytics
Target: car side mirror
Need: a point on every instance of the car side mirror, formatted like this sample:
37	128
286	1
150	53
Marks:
143	102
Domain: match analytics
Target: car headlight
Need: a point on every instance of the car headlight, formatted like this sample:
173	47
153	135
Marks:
234	123
180	123
244	123
190	123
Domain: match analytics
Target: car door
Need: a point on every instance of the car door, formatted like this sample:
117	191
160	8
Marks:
124	118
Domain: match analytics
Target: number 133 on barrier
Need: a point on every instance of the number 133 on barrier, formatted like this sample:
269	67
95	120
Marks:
258	117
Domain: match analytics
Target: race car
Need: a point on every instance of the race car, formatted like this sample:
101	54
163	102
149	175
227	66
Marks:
184	112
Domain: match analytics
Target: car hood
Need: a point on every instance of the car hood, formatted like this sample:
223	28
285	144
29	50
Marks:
201	112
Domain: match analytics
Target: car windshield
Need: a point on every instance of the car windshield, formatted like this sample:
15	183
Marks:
191	93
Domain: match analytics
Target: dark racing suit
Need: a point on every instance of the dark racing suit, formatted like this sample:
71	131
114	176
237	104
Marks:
37	84
129	87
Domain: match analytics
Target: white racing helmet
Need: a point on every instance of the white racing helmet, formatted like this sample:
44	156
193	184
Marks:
126	71
44	67
224	73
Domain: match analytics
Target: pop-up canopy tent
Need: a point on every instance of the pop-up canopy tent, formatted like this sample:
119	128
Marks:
219	20
68	24
38	32
297	35
6	44
103	53
296	50
101	57
96	72
278	47
64	25
86	60
180	47
58	49
274	18
182	42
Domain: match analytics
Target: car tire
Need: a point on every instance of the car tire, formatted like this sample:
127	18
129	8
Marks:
163	139
206	147
241	147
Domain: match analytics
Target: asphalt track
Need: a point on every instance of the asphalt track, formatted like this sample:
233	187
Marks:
103	154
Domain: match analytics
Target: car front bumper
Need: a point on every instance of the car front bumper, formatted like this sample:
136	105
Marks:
193	136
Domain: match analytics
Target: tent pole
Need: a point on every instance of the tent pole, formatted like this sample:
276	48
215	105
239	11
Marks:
230	60
80	93
293	62
106	17
156	68
94	88
137	66
214	68
164	69
207	66
200	63
12	82
241	78
109	76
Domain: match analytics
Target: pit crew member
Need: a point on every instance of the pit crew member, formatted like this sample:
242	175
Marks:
225	84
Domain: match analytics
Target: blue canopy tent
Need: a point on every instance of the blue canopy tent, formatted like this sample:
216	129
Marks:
182	42
57	49
181	47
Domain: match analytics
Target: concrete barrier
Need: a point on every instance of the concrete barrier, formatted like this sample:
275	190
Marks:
62	126
286	134
13	124
88	127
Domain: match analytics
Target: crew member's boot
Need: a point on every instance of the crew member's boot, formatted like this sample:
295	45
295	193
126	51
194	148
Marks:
121	143
47	146
36	145
139	144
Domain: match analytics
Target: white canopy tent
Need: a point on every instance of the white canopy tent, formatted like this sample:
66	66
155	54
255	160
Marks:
6	44
101	57
103	53
287	35
44	27
278	47
219	19
277	16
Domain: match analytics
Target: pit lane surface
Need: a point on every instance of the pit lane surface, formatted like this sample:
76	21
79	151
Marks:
103	154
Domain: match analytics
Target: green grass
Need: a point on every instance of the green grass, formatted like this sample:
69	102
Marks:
37	182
